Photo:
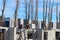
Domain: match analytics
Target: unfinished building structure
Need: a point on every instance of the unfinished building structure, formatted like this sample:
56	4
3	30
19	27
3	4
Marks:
31	28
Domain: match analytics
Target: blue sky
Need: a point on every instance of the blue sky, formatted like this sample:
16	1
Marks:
10	8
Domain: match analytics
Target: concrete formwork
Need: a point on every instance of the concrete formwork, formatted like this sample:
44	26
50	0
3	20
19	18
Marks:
9	33
37	34
5	32
51	34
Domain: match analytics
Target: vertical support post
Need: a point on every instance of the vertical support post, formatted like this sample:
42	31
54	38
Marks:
51	11
4	3
59	17
31	9
57	14
36	14
17	4
26	8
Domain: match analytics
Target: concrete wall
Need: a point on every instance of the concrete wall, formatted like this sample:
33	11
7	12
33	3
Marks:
39	34
51	35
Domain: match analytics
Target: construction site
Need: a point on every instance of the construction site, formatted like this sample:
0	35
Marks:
31	28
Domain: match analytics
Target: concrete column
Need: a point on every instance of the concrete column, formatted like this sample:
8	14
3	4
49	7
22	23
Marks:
33	26
26	34
39	24
42	34
11	24
54	25
12	33
5	34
